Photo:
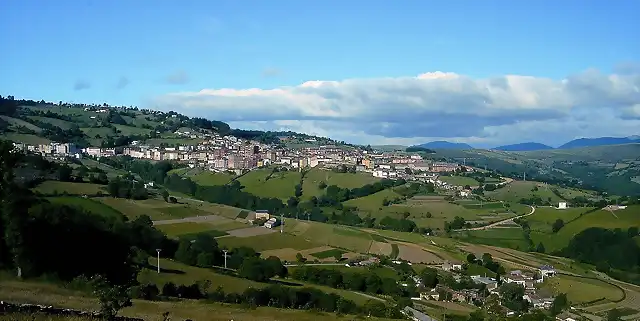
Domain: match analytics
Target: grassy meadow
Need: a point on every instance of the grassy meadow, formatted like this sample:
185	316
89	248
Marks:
262	182
71	188
315	176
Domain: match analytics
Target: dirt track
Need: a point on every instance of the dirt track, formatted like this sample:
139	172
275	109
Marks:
194	219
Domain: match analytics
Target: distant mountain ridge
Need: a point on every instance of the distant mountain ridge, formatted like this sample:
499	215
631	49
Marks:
529	146
599	141
441	144
533	146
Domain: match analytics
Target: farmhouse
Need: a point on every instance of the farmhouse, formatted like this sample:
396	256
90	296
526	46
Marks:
452	266
491	284
262	214
562	205
272	222
547	271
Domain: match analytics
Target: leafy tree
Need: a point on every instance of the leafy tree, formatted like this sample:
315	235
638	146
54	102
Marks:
540	248
429	277
557	225
471	258
165	195
511	297
614	315
113	298
560	303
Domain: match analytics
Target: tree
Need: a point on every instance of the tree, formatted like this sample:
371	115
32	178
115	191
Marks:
429	215
557	225
113	298
560	303
471	258
338	256
165	195
614	315
300	258
511	295
540	248
429	277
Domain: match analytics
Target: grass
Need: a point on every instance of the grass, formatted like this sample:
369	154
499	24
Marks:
46	294
13	122
328	253
343	180
133	209
188	228
86	204
182	211
212	178
517	190
279	185
582	290
372	202
544	217
53	121
330	235
25	138
268	242
72	188
501	237
173	141
129	130
459	180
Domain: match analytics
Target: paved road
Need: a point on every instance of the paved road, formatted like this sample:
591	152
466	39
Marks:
194	219
533	210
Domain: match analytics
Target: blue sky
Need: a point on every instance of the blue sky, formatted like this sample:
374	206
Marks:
162	53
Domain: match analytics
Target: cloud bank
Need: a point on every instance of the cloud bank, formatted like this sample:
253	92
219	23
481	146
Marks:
433	105
81	84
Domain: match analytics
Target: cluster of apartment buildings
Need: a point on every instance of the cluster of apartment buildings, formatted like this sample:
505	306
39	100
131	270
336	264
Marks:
228	153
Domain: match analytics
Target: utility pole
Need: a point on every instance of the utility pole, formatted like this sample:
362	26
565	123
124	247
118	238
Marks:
225	258
524	176
158	250
308	216
281	224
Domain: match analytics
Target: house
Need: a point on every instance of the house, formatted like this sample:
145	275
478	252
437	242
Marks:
517	279
452	266
272	222
431	295
562	205
416	315
537	301
262	214
547	271
489	282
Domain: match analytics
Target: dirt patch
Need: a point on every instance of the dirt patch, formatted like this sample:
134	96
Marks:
380	248
416	254
251	231
283	254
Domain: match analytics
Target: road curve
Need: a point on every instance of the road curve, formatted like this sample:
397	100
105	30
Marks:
533	210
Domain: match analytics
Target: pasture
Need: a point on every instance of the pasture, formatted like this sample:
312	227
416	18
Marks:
333	235
189	228
87	204
544	217
25	138
502	237
583	290
459	180
261	182
434	211
517	190
70	188
53	121
269	241
316	175
209	178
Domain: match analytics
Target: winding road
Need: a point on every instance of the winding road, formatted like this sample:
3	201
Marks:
533	210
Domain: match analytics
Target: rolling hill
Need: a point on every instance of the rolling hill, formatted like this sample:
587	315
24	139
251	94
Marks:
531	146
600	141
440	144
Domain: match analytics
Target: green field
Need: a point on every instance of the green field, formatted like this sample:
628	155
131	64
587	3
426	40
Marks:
517	190
328	253
86	204
372	202
280	185
129	130
211	178
459	180
25	138
268	242
583	290
502	237
544	217
53	121
71	188
343	180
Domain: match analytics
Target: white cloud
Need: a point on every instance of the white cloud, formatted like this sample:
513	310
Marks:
433	105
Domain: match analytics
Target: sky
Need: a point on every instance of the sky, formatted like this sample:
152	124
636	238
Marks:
373	72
